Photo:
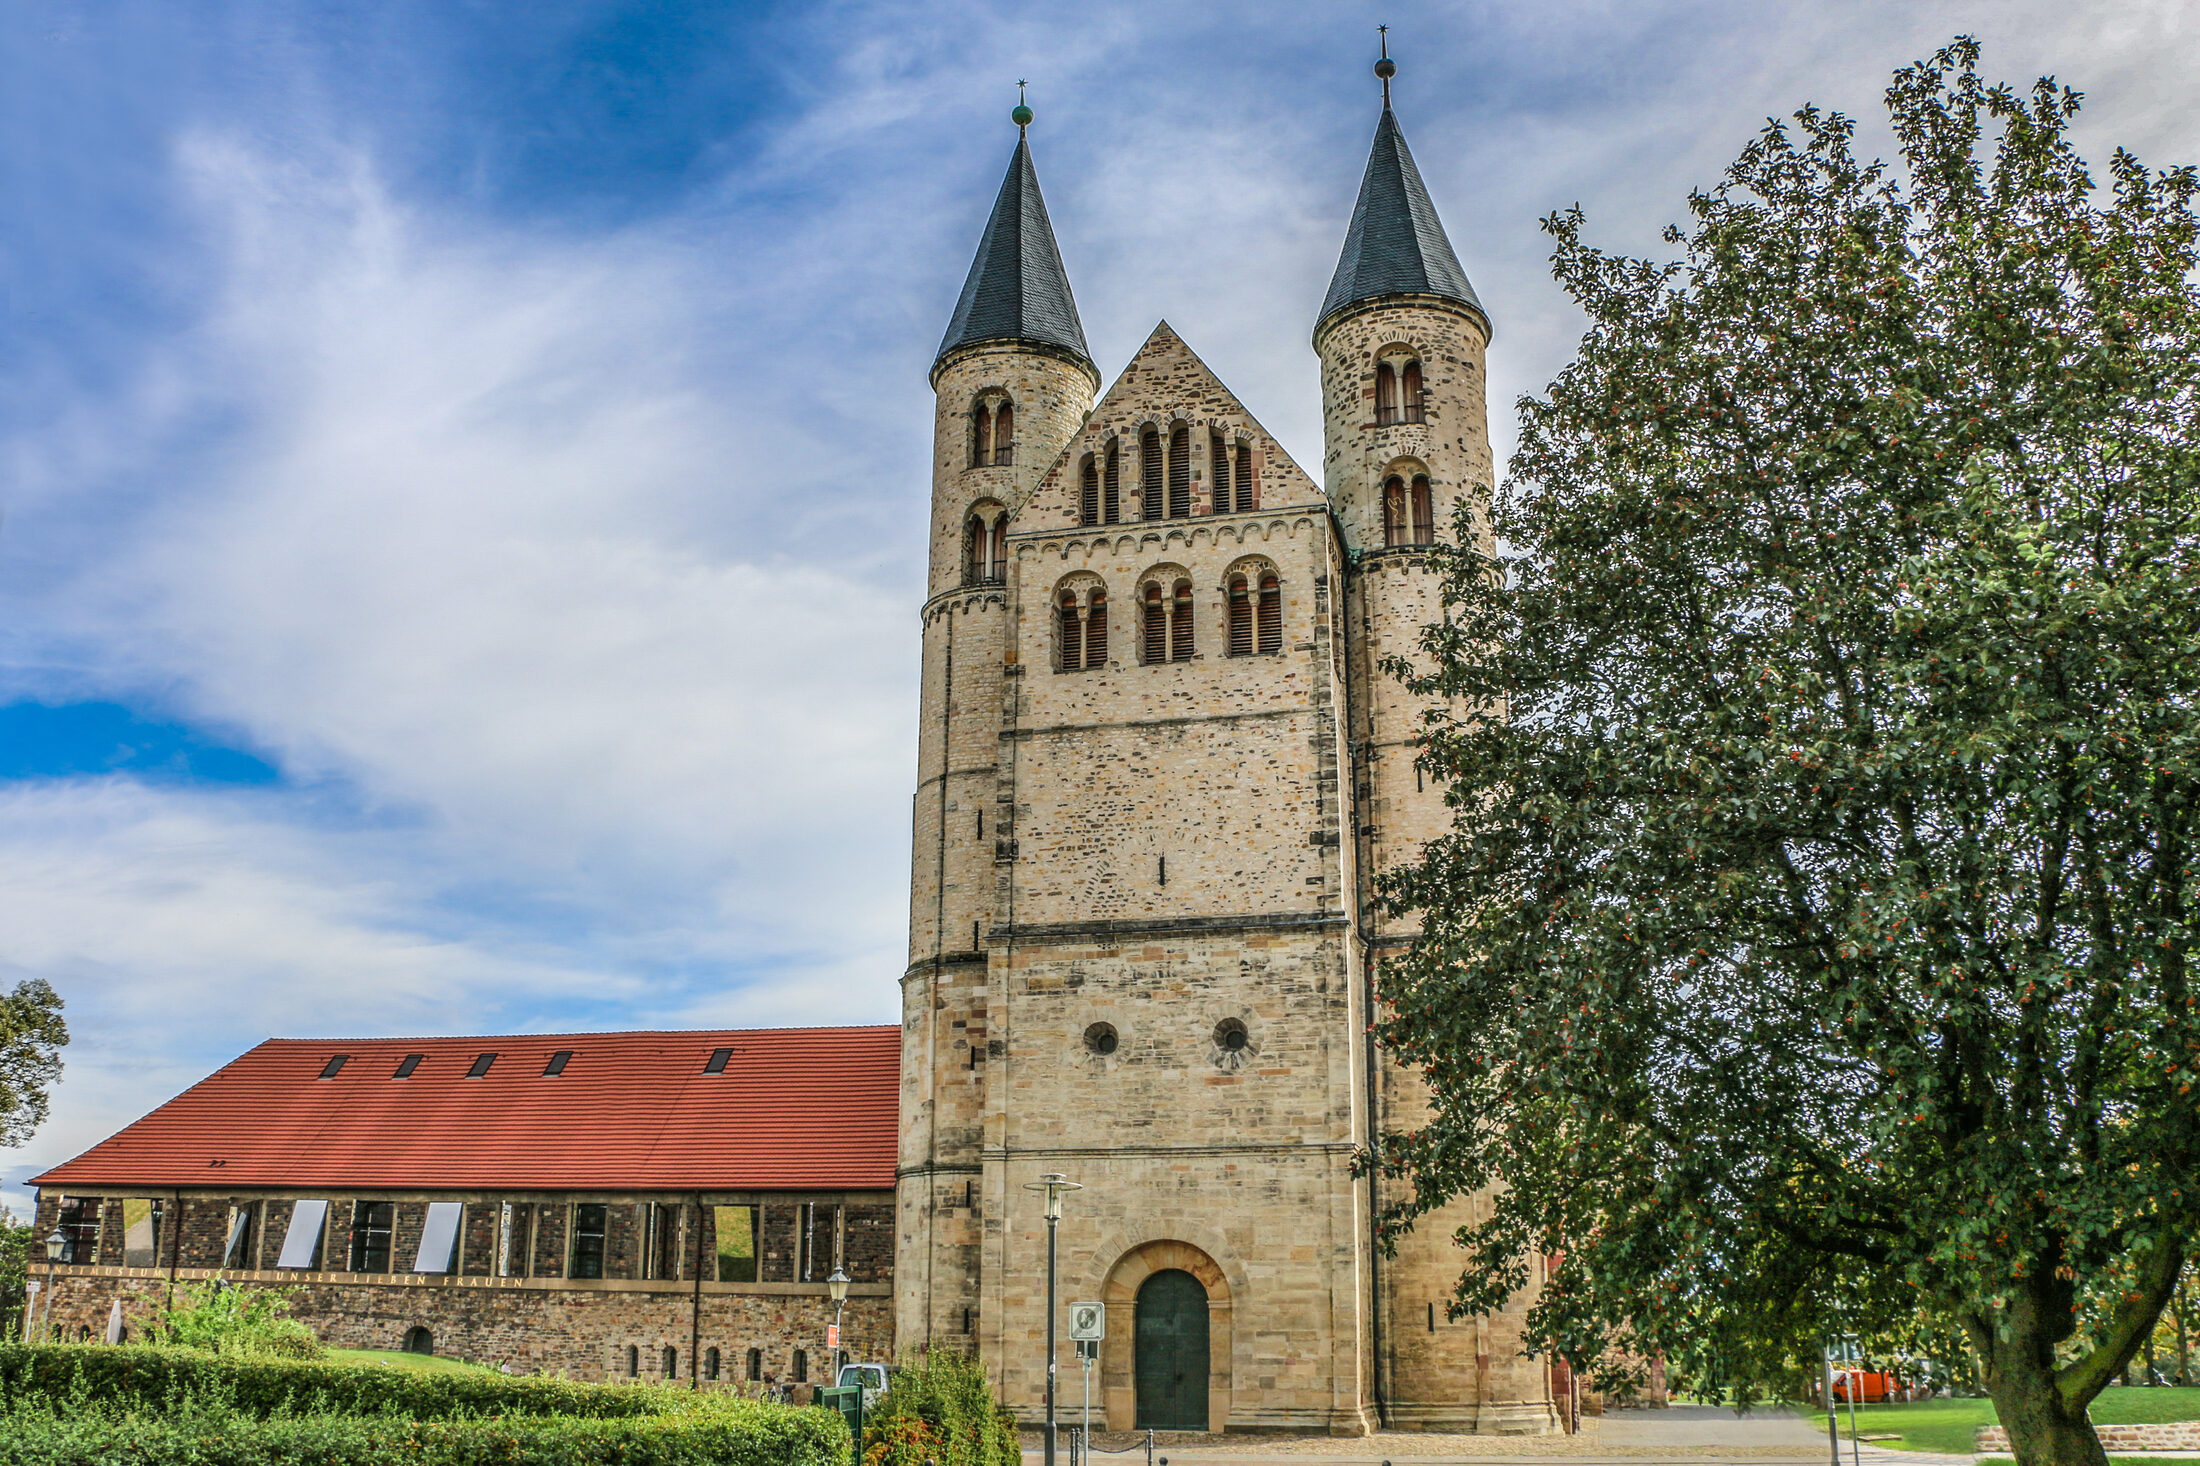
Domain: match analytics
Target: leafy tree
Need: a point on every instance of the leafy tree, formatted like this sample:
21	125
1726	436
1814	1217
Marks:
1810	953
31	1038
939	1408
220	1317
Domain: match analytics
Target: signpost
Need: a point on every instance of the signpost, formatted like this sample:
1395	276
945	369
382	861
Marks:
1088	1325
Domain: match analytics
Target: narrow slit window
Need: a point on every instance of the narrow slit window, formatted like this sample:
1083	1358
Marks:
1180	623
238	1249
1156	624
801	1367
1096	628
588	1239
981	436
1424	512
716	1064
1409	392
481	1065
710	1362
1149	474
754	1370
557	1063
633	1361
1004	435
1394	511
1218	474
1386	394
1072	633
1111	488
406	1065
1088	498
1180	472
334	1066
1241	617
1247	498
1271	615
672	1362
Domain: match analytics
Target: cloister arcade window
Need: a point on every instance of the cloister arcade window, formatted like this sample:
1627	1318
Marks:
992	432
1254	598
1398	393
1081	627
1099	496
1248	482
985	544
1165	609
1409	511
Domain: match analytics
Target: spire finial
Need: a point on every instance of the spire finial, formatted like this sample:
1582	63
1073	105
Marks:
1385	68
1022	115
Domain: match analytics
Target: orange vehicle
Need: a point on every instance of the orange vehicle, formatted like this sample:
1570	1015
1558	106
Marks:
1872	1386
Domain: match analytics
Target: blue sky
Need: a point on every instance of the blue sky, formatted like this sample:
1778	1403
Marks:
463	464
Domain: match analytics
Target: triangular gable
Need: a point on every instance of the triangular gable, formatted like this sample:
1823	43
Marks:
1165	383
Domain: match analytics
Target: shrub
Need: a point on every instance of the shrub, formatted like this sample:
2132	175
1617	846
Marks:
133	1377
940	1408
721	1433
218	1316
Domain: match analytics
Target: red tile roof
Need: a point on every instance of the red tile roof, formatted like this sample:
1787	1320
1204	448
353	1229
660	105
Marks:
796	1108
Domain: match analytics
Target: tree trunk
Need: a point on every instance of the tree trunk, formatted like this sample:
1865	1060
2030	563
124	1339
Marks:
2043	1429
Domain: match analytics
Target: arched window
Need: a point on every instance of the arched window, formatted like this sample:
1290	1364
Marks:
985	544
1149	474
1081	622
1409	392
801	1367
1424	512
1240	597
1271	614
1218	474
418	1341
1165	606
710	1362
1395	520
672	1362
1088	496
755	1370
1180	472
992	433
1386	394
1111	488
1248	498
633	1362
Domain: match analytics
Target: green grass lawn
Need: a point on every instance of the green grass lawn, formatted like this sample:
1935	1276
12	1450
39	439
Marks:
1952	1425
400	1358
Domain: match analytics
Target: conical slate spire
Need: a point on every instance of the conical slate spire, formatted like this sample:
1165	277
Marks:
1018	290
1396	245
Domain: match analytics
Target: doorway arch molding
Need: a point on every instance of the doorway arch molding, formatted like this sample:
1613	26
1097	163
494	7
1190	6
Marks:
1118	1360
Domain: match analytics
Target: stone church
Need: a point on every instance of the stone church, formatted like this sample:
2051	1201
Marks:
1159	771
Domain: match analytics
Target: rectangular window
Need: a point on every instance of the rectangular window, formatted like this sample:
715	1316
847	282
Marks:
237	1251
371	1225
557	1063
662	1231
717	1063
141	1219
438	1237
481	1065
334	1066
79	1226
736	1245
406	1066
588	1236
302	1242
512	1239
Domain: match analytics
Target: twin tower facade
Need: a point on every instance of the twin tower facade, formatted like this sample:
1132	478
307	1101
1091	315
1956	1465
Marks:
1160	769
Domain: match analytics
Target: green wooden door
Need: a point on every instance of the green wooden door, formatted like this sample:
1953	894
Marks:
1171	1336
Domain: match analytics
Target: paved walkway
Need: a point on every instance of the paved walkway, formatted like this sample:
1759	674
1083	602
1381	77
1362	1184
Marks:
1685	1433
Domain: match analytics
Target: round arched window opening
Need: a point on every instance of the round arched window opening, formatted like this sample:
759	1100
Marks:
1101	1039
1231	1037
417	1341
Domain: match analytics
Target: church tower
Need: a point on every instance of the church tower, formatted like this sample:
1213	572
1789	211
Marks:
1402	339
1013	380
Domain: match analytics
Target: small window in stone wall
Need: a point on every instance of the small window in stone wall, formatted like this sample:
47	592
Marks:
79	1227
588	1240
710	1362
801	1367
671	1362
418	1341
755	1370
633	1361
142	1219
237	1249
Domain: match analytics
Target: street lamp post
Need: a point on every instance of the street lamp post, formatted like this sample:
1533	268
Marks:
55	1242
1053	1183
837	1285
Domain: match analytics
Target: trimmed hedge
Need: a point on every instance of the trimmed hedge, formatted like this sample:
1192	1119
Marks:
135	1376
734	1433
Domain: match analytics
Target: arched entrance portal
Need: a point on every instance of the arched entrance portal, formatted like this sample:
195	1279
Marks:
1171	1352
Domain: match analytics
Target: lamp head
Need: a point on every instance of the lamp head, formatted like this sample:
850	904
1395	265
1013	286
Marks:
1053	1183
55	1244
837	1285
